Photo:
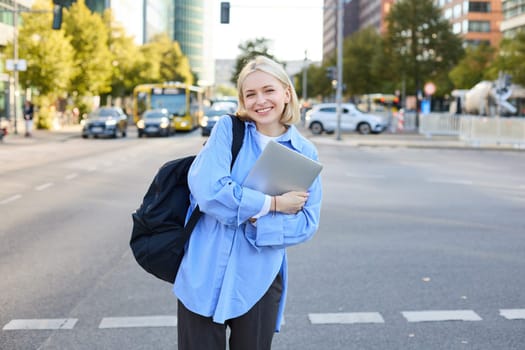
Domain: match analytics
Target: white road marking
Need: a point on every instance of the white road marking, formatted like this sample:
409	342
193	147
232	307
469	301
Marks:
138	321
346	318
11	199
366	176
71	176
441	315
41	324
450	181
513	314
43	186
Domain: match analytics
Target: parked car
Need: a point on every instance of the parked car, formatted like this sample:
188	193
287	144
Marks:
214	113
106	121
156	122
323	118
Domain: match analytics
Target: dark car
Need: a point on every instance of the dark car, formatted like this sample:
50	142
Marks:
210	119
156	122
106	121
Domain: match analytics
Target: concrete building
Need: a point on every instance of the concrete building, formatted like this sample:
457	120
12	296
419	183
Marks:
513	17
358	14
476	21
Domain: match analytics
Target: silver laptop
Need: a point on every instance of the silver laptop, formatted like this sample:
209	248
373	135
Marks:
280	169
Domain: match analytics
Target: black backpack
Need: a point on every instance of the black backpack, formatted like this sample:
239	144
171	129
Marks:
159	236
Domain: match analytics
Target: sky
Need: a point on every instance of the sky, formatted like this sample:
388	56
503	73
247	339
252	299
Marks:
292	26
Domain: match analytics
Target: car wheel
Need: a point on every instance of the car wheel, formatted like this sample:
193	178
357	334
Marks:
84	136
364	128
124	133
316	128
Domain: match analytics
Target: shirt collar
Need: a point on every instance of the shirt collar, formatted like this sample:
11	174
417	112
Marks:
291	136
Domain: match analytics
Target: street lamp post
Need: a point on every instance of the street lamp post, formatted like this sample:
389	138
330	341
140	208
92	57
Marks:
15	68
305	96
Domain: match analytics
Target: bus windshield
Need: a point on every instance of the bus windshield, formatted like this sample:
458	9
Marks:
174	103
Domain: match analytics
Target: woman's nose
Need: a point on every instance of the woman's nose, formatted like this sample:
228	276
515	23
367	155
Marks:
260	98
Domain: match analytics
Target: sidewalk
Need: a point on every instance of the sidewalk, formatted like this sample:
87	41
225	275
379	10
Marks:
386	139
42	136
405	140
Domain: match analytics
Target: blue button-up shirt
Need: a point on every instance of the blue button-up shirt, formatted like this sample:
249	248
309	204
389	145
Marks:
229	264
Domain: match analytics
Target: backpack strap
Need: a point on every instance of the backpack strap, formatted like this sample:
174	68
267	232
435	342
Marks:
238	137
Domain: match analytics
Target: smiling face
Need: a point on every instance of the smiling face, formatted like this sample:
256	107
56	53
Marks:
264	99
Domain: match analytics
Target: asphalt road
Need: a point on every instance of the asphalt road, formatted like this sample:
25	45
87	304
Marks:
419	248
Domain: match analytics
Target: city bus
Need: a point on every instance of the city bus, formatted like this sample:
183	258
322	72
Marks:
184	102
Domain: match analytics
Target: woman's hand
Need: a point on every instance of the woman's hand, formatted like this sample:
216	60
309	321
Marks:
290	202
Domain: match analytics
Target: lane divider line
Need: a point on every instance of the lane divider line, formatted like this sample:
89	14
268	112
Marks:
11	199
71	176
513	314
441	315
43	186
41	324
138	321
346	318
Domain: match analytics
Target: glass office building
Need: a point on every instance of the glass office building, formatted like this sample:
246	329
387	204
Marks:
189	32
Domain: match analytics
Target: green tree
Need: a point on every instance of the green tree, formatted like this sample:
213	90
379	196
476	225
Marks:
93	59
420	43
511	58
49	57
249	50
361	56
473	68
48	53
125	56
165	61
318	85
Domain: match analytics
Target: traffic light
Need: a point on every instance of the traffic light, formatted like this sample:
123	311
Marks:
331	73
58	5
225	12
57	16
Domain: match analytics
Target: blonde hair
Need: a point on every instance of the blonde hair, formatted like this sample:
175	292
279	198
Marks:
291	113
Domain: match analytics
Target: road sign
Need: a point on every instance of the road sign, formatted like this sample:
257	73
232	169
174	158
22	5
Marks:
19	65
430	88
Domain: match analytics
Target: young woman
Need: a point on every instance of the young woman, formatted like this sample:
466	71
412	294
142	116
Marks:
234	271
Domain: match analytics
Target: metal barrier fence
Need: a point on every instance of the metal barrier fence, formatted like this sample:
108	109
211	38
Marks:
493	130
439	124
475	129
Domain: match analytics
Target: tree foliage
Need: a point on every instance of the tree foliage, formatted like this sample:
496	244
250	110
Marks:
125	56
92	59
473	67
511	58
361	62
420	43
317	83
168	63
48	53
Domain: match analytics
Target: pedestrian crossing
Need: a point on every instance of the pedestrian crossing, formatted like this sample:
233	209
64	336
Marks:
341	318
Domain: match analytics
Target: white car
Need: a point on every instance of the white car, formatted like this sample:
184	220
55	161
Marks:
323	118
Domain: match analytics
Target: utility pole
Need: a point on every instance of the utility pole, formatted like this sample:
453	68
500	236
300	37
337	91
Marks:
305	96
339	87
15	68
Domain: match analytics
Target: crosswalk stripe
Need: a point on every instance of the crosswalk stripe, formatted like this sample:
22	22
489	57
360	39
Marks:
441	315
41	324
513	314
346	318
138	321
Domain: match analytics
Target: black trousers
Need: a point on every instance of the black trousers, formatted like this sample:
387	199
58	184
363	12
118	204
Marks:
252	331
